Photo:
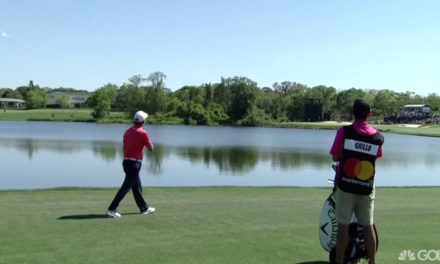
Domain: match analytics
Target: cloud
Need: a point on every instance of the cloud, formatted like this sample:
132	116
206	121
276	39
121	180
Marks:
3	33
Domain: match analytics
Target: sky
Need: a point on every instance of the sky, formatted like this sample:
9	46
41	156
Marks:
85	44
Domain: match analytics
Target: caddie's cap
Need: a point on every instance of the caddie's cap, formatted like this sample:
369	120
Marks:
140	116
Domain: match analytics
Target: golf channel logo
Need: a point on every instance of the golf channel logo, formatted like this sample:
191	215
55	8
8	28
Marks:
421	255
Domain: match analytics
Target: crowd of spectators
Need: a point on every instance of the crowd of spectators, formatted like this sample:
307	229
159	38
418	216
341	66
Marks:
416	115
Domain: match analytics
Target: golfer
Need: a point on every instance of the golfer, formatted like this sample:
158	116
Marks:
135	139
356	148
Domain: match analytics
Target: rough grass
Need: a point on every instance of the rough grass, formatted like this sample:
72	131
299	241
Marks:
199	225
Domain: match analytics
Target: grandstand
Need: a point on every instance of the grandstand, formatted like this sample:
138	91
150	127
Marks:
411	113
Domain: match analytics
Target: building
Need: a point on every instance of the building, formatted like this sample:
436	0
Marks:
11	103
76	100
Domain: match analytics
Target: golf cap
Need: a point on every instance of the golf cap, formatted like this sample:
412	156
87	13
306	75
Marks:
140	116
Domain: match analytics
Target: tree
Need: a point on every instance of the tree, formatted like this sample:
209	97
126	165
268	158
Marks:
209	93
101	101
155	96
433	101
265	100
295	110
191	94
222	94
326	95
289	88
136	80
345	100
216	113
385	103
9	93
243	93
197	113
63	101
36	98
157	80
130	98
23	91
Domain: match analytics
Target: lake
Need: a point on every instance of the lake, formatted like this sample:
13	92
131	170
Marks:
50	154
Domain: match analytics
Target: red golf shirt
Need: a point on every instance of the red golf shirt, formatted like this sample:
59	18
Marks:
135	139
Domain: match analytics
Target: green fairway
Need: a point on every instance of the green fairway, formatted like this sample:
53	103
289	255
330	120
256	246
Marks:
47	115
77	115
199	225
432	130
423	130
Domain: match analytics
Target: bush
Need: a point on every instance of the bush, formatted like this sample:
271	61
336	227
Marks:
256	117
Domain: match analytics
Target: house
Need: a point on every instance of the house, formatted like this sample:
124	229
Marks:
11	103
76	100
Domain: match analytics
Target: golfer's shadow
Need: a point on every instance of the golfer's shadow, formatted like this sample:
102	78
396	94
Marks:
82	217
313	262
88	216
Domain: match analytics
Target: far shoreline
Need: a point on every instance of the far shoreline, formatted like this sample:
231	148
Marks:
213	187
83	115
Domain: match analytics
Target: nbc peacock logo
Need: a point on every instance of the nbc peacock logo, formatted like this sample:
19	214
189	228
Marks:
407	255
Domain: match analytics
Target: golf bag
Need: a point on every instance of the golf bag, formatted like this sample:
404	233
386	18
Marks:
328	230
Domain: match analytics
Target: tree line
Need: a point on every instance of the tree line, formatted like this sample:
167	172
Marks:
233	100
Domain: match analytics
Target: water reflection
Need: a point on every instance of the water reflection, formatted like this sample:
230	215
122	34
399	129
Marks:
196	156
237	160
225	159
105	150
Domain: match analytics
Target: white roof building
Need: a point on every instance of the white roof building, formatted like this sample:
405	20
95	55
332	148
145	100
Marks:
75	99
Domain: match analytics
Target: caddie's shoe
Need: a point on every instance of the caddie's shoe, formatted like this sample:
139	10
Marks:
113	214
150	210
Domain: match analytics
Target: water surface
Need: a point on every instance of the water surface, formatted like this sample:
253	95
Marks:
51	154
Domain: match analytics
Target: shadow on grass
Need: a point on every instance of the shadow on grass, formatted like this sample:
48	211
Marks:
88	216
313	262
82	217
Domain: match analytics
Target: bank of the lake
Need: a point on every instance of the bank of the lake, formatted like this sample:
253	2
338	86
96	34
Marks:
429	130
84	115
200	225
58	115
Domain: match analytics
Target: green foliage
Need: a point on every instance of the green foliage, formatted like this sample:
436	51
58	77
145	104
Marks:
385	103
256	117
130	98
63	101
217	114
242	96
35	98
344	102
433	100
197	115
295	110
233	100
101	101
9	93
155	96
326	95
273	103
65	90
